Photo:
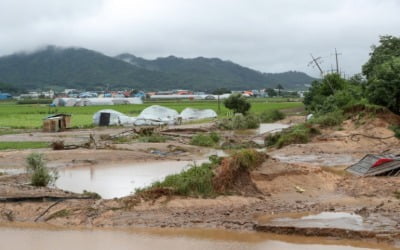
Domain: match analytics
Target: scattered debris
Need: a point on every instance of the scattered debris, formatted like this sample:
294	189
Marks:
299	189
376	165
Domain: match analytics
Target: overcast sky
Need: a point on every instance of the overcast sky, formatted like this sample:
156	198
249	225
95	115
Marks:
267	35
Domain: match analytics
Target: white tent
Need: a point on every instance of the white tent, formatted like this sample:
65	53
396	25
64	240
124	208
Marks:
196	114
106	117
93	102
131	100
67	102
156	115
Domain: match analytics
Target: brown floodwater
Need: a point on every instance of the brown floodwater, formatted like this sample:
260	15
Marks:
271	127
341	220
45	238
117	180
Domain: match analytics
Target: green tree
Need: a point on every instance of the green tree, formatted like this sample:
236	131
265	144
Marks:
383	74
279	87
331	93
271	92
237	103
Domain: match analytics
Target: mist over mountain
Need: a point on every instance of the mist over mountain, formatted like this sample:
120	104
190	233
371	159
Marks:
54	67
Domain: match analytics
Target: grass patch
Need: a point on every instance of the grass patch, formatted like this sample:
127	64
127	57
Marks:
196	181
271	116
153	138
396	130
122	139
209	179
92	195
205	140
298	134
59	214
19	145
30	115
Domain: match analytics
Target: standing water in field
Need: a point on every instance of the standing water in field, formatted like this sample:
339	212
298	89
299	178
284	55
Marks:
49	239
117	180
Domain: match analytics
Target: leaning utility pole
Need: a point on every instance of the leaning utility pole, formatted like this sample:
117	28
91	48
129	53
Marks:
315	61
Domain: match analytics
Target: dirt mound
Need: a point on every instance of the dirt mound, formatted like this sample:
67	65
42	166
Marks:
373	111
275	177
233	174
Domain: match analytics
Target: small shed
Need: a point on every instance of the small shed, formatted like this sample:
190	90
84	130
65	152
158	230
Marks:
56	123
376	165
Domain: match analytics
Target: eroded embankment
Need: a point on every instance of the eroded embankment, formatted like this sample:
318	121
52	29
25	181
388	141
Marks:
276	187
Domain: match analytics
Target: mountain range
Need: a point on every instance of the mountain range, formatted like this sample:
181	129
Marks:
54	67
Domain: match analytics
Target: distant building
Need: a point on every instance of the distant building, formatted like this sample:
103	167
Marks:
5	96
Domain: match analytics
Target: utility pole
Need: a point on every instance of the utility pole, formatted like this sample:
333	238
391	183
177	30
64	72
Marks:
337	61
315	61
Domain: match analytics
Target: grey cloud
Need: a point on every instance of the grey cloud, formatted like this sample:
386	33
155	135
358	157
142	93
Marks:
270	36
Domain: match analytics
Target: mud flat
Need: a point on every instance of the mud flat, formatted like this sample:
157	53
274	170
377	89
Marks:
333	224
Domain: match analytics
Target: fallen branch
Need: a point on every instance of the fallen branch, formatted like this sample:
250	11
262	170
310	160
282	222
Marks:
45	211
41	198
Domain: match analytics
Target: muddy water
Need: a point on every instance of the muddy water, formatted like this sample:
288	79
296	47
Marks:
341	220
117	180
271	127
318	159
50	239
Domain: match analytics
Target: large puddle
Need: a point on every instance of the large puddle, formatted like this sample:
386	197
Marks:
340	220
117	180
50	239
318	159
271	127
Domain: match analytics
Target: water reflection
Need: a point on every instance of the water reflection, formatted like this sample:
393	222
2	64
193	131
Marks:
117	180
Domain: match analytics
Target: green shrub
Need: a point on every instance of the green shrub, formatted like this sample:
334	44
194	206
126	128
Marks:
396	130
205	140
40	175
153	138
298	134
329	119
195	181
239	121
248	158
93	195
271	115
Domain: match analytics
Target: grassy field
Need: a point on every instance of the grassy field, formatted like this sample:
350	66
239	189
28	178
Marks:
4	145
14	115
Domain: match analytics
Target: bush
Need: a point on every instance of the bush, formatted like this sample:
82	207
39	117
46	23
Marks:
330	119
40	175
195	181
298	134
239	121
271	116
237	103
396	130
205	140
